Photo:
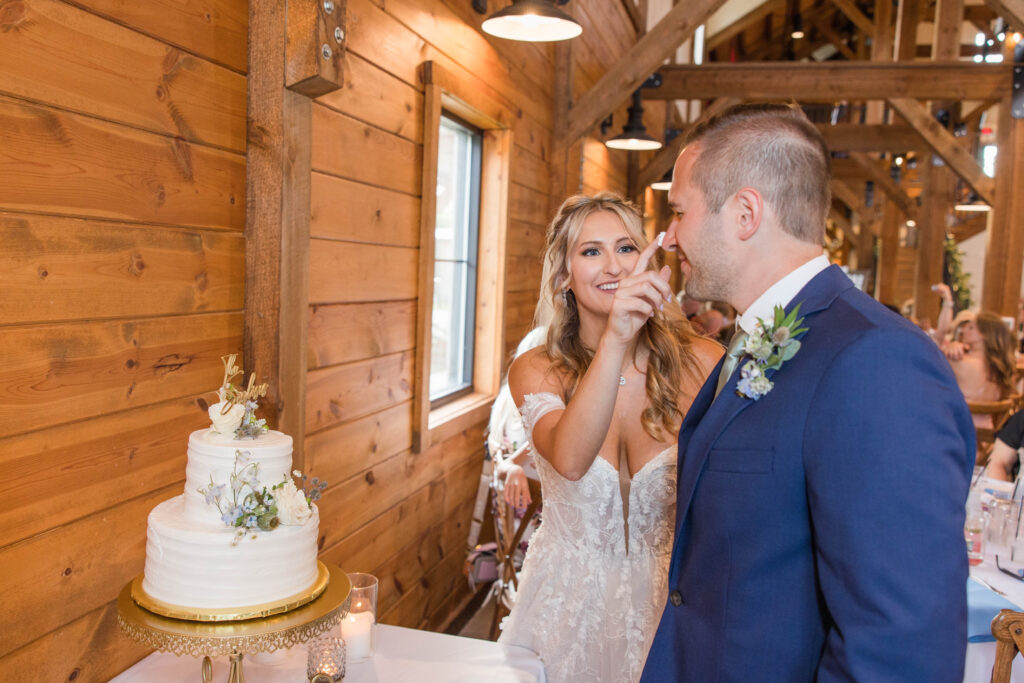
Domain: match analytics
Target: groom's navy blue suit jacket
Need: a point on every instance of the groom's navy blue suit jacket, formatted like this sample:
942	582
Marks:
819	530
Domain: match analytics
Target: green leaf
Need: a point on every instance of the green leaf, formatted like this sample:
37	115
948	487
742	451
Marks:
780	315
790	350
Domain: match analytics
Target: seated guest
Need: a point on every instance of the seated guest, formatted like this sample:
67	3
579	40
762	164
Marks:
507	441
1004	462
982	359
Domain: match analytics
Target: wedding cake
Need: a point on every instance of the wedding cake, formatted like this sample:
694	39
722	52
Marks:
242	535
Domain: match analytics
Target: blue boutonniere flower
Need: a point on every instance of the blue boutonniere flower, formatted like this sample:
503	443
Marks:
769	346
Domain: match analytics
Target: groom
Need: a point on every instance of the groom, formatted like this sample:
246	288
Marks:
819	528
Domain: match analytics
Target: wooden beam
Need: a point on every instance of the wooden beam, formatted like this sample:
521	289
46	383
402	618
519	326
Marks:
889	256
1011	10
945	145
1004	249
834	38
936	183
908	15
833	81
666	156
855	200
634	67
853	137
879	175
845	225
860	20
277	225
881	51
634	16
743	23
949	18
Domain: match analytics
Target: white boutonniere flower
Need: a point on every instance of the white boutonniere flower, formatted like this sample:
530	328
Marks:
769	346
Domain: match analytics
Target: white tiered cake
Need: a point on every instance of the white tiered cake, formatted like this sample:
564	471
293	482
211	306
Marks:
193	559
242	536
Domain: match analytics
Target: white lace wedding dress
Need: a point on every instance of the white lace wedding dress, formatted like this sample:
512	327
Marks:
594	581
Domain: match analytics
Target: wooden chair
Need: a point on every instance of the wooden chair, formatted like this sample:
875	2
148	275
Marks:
1008	629
507	538
999	412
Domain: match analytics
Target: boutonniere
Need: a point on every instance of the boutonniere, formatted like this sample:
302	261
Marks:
769	346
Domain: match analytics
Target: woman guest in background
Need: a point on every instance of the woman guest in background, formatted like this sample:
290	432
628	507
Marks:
602	401
983	360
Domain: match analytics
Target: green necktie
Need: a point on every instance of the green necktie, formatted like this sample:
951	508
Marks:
731	359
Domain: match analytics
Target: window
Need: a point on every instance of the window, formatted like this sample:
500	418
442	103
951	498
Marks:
456	222
467	150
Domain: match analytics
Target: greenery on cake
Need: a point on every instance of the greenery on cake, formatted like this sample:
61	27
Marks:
235	413
250	508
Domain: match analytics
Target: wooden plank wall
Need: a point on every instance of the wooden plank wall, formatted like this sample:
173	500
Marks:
122	210
122	215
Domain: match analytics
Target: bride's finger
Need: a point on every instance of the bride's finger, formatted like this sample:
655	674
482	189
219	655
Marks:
645	258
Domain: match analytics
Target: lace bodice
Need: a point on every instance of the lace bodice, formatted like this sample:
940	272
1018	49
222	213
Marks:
594	581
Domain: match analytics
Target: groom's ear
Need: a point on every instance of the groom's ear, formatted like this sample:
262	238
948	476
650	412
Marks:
749	212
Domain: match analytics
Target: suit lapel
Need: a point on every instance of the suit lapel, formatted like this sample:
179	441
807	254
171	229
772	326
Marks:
697	437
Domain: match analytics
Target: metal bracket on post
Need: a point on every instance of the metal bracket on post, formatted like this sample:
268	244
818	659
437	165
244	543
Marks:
315	49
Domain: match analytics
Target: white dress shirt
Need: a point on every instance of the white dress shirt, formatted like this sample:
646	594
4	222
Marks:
781	293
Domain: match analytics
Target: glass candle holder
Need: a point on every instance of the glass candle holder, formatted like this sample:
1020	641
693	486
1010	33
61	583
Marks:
326	657
359	627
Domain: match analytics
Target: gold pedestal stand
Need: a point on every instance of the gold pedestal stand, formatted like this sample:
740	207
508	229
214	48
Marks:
235	638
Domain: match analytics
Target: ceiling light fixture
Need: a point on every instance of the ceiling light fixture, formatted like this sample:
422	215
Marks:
798	28
634	133
534	21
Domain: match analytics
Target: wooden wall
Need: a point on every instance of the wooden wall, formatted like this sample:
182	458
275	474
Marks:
122	193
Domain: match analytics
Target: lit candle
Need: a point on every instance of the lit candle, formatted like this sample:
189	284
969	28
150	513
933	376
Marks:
357	631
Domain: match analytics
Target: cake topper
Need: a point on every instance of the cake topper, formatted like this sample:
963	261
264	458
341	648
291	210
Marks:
234	414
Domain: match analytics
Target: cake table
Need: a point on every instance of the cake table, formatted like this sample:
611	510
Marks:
236	638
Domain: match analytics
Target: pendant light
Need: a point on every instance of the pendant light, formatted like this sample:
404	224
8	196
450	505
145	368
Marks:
535	21
665	184
634	133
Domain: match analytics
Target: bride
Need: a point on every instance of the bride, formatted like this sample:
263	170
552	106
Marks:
602	400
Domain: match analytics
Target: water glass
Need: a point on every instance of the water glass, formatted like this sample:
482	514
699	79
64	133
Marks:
974	531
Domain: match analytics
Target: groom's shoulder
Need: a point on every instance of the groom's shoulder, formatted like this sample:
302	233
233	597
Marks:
856	320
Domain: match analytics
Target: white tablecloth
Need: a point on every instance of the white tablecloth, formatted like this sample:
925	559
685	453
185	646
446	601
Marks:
981	656
403	656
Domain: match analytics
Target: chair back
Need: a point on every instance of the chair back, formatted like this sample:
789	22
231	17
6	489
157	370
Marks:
998	412
1008	629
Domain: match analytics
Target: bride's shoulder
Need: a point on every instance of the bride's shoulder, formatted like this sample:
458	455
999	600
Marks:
533	372
707	352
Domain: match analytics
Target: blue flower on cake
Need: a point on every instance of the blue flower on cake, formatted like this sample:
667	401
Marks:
769	346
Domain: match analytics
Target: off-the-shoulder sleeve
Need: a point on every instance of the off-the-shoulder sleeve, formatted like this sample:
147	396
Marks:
536	406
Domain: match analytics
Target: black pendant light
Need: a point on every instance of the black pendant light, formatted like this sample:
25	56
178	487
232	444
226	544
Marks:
634	133
535	21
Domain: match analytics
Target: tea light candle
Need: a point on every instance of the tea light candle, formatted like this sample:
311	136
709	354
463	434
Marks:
357	632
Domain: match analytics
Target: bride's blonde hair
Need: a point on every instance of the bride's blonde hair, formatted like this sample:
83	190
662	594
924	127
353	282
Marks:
667	334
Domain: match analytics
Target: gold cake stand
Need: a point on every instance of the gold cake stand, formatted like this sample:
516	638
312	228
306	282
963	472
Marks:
236	638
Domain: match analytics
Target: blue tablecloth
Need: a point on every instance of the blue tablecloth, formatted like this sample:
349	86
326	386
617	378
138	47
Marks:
982	606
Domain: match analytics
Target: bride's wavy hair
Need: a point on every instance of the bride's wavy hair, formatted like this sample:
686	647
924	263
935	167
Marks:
667	334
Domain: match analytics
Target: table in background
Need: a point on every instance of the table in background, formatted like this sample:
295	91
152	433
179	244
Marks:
403	655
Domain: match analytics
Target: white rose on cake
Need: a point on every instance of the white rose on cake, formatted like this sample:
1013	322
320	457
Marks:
292	508
226	423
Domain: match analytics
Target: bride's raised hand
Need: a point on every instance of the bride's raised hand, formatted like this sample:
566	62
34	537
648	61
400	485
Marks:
639	295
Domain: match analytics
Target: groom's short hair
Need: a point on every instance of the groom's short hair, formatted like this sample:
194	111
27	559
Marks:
774	149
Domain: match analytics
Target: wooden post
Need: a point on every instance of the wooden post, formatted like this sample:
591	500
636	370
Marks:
907	17
881	51
888	256
285	49
935	182
1004	249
